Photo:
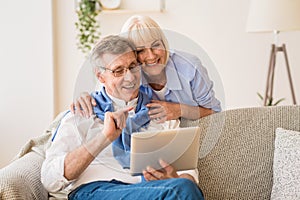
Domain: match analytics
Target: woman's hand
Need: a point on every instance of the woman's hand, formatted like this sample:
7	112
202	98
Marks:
163	110
83	105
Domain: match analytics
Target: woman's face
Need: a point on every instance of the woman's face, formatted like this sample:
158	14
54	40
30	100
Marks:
153	56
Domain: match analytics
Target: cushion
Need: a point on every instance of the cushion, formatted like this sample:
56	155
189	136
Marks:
286	165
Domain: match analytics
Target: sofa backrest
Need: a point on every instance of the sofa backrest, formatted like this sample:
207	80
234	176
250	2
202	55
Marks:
236	155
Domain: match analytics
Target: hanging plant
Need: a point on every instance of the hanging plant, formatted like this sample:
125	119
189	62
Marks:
87	25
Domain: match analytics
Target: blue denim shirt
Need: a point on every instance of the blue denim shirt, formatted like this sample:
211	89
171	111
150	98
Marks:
188	82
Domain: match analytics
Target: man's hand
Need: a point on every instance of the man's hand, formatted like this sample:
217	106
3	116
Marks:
83	105
114	122
166	172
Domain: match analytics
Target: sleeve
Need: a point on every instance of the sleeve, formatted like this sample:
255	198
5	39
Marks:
73	132
52	172
202	88
194	173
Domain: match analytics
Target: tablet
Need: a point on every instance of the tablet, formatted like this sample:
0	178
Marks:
178	147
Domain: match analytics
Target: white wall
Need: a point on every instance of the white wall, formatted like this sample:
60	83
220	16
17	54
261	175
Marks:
26	78
218	27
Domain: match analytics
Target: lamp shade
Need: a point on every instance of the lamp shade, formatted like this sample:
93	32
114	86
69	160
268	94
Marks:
273	15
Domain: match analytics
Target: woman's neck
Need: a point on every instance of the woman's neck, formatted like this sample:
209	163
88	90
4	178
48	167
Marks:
157	82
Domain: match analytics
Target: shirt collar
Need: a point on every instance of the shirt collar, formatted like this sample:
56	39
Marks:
119	103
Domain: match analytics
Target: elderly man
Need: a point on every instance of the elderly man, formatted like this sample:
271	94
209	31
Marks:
89	158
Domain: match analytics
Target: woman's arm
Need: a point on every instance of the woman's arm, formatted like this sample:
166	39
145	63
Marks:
176	110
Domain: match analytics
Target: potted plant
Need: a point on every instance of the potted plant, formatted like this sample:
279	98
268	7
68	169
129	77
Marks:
87	25
270	100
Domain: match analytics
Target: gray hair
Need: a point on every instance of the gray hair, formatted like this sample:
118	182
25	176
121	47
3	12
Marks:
113	44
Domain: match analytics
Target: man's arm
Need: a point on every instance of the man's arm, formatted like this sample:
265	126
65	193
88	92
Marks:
78	160
67	158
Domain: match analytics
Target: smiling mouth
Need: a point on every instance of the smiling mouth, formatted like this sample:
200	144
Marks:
129	87
153	64
150	65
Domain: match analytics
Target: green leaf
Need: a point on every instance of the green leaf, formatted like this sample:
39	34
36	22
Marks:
87	25
270	100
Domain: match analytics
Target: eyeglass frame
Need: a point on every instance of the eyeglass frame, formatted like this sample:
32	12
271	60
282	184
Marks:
137	67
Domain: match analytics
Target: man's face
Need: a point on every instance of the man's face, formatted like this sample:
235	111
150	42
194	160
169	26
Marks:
122	86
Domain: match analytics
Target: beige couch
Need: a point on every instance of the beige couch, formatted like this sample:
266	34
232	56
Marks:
236	156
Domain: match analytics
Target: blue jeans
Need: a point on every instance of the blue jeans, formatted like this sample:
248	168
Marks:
176	188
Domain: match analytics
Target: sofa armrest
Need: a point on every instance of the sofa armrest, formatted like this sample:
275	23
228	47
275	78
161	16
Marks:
21	179
237	150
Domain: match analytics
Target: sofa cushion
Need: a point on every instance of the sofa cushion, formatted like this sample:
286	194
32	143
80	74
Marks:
286	167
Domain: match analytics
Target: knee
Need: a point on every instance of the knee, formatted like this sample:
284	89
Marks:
187	188
184	183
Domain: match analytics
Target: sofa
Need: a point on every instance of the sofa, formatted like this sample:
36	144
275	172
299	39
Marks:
235	160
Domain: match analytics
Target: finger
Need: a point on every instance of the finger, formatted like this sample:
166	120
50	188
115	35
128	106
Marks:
161	120
108	118
94	103
155	173
163	163
78	108
157	115
155	101
120	117
118	122
89	106
126	109
72	108
83	106
122	123
153	105
168	168
148	176
110	130
156	110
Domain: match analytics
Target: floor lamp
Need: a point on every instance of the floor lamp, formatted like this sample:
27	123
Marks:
274	16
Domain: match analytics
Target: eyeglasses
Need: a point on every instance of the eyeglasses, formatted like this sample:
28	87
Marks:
120	71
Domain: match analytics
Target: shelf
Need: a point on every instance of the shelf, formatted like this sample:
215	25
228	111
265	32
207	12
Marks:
128	11
160	9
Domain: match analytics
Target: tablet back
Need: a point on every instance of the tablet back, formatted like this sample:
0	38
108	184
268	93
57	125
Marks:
178	147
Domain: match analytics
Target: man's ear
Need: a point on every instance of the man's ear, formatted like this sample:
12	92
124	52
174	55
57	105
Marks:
99	75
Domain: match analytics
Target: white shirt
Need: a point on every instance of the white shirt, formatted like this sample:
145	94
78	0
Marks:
72	133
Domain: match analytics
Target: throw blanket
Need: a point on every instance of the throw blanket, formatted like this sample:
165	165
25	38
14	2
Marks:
121	146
